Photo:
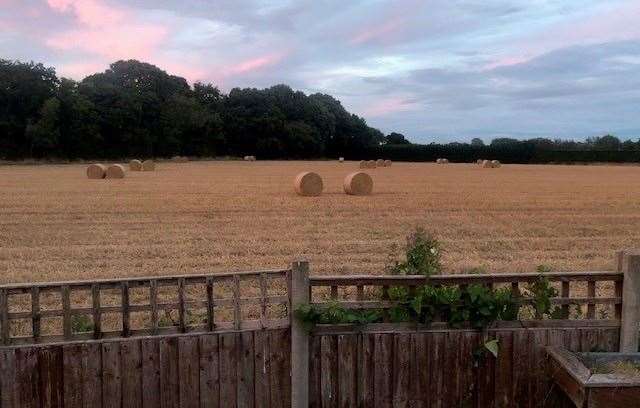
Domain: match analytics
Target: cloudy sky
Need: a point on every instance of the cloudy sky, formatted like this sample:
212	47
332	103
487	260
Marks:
435	70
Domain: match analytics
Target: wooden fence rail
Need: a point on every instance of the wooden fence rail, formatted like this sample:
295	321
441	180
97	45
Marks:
49	312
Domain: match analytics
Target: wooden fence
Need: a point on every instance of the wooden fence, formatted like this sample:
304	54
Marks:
230	340
245	369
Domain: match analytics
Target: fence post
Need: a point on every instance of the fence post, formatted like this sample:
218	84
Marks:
630	322
299	336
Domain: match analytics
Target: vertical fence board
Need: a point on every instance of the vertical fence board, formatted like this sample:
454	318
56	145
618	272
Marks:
329	371
503	371
280	362
27	378
521	363
72	376
540	338
91	375
228	366
366	364
401	370
262	368
150	348
436	352
383	370
450	382
468	345
111	375
131	362
209	371
7	378
485	392
347	369
419	367
188	369
50	375
246	371
169	388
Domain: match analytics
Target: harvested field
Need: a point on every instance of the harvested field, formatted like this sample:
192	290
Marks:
199	217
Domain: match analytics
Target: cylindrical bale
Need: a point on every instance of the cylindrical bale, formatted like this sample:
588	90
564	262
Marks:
486	164
341	159
135	165
439	161
380	163
246	158
496	164
479	162
371	164
363	164
387	163
148	165
358	183
96	171
115	171
252	158
445	161
308	184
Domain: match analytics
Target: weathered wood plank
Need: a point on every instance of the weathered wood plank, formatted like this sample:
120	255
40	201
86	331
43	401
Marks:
91	375
245	371
401	369
347	370
72	375
7	378
262	368
209	371
383	370
419	371
131	363
169	385
228	367
150	349
280	362
111	375
366	370
188	369
329	364
503	371
450	382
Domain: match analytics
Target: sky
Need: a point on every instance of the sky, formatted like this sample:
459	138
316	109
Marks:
434	70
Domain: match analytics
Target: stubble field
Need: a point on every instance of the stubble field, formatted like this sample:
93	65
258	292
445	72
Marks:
202	217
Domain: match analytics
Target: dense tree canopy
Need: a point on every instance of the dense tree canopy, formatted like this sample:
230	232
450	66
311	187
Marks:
136	109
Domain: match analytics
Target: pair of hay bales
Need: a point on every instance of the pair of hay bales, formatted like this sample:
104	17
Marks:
179	159
309	184
100	171
372	164
491	164
442	161
137	165
249	158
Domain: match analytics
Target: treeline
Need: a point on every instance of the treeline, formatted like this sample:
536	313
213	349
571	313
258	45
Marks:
540	150
136	109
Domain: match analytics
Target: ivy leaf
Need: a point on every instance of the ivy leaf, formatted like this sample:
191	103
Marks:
492	346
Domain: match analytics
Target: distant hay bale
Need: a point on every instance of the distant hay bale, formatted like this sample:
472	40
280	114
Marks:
479	162
341	159
179	159
358	183
135	165
486	164
371	164
442	161
363	164
148	165
308	184
249	158
96	171
496	164
387	163
115	171
379	163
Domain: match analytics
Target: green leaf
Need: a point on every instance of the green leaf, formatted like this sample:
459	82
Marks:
492	346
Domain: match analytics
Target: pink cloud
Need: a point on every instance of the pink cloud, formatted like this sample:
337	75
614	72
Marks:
256	64
388	106
378	31
105	30
80	69
617	24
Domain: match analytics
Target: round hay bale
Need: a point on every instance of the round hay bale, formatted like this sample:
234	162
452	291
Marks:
341	159
387	163
252	158
363	164
445	161
308	184
115	171
495	164
486	164
135	165
246	158
379	163
479	162
148	165
439	161
96	171
371	164
358	183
